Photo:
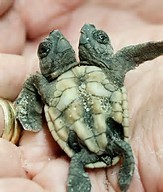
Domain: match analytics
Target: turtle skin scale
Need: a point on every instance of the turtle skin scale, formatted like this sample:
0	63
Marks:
85	102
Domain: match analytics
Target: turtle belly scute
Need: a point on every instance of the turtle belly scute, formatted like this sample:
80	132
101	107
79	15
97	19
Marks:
81	103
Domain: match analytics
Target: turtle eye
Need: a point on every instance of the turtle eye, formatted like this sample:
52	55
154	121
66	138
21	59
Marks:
100	36
44	48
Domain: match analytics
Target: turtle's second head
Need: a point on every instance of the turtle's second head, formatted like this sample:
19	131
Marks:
56	55
94	45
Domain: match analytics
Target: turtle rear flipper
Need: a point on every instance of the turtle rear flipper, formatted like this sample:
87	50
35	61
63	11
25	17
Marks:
78	179
118	146
128	166
28	107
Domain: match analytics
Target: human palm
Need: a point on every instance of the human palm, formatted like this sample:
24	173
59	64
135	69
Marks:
38	164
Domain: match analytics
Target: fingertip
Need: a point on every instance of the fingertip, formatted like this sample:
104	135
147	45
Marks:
5	5
10	153
13	72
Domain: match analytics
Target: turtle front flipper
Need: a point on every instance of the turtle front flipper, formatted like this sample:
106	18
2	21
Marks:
131	56
137	54
78	179
28	107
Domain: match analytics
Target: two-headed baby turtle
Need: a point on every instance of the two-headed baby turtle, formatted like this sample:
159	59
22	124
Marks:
85	102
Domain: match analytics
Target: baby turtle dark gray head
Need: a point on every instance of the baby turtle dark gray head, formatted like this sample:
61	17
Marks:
85	102
56	55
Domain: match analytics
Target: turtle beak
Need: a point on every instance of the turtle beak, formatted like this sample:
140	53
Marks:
86	33
87	28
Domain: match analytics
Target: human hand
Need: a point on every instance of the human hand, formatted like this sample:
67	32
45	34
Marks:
38	164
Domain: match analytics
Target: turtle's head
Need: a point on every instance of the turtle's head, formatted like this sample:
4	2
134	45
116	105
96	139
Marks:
56	55
94	45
